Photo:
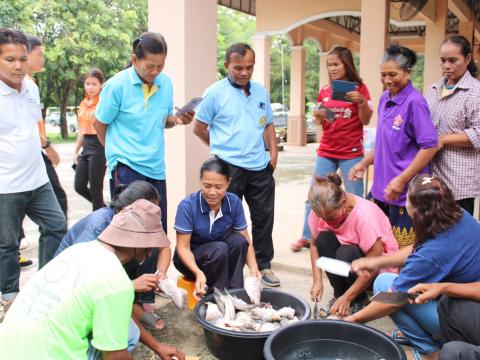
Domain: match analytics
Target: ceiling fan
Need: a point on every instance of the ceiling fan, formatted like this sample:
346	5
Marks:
410	8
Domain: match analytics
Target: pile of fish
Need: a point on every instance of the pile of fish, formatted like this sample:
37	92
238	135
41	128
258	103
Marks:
231	313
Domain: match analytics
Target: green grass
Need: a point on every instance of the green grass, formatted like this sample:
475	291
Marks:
56	138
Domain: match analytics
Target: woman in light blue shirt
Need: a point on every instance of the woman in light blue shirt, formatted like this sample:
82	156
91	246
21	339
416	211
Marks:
135	108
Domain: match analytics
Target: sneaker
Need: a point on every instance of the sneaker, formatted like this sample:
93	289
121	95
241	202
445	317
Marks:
6	305
299	245
269	278
23	244
324	311
24	262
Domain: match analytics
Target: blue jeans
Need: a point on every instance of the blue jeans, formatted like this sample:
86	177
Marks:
324	166
42	207
418	322
133	337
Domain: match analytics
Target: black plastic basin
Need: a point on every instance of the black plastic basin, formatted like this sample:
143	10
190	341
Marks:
330	340
235	345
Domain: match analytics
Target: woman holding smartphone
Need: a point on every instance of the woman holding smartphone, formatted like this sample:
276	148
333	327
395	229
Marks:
342	123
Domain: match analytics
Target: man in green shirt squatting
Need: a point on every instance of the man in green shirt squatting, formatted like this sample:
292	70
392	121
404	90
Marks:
79	305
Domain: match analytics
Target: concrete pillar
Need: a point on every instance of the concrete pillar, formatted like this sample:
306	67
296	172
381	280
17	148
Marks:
465	28
261	45
190	29
434	36
373	40
324	79
322	59
297	134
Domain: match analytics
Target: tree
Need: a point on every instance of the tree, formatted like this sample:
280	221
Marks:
78	35
232	27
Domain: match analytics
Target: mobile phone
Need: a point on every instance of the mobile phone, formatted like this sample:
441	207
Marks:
330	115
192	104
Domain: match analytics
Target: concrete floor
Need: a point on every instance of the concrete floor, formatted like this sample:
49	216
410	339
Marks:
293	174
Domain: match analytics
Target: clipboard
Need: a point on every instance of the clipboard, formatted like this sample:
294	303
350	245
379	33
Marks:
340	88
190	106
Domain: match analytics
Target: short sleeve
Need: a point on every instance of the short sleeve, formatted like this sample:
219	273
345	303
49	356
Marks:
170	105
239	221
269	112
184	218
418	269
363	90
206	110
314	224
321	95
109	103
368	232
421	126
111	316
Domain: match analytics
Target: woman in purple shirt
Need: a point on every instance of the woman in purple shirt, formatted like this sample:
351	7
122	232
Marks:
406	141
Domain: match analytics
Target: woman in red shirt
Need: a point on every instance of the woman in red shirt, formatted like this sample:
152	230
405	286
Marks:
91	163
341	145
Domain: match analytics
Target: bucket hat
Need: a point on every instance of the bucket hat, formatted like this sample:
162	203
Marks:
138	225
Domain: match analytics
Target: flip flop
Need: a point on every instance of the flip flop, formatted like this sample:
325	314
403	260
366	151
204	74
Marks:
416	354
149	320
299	245
399	338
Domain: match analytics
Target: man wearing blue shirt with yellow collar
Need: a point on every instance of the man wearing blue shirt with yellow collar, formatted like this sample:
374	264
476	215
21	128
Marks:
235	120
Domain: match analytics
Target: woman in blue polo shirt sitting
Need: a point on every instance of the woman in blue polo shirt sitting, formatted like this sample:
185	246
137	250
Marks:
445	250
212	239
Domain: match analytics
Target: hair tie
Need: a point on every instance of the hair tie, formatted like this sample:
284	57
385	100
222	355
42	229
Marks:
427	180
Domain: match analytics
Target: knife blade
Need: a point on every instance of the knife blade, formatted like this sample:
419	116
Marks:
315	310
394	297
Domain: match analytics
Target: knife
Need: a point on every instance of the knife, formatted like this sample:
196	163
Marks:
333	266
394	297
315	310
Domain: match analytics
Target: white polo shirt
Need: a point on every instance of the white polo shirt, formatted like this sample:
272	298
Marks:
21	164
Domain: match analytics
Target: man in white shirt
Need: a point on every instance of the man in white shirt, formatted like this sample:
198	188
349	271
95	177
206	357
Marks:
24	185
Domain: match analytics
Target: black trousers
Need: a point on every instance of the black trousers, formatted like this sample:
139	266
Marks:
222	262
329	246
460	328
91	169
258	188
468	204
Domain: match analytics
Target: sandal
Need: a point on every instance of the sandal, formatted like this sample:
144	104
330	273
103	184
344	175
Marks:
399	338
149	321
416	354
299	245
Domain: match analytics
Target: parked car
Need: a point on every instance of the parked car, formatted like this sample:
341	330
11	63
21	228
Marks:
53	118
280	115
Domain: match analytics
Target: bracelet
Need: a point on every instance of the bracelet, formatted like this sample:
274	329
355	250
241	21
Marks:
47	145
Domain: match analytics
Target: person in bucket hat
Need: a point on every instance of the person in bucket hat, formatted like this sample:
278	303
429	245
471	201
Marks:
79	305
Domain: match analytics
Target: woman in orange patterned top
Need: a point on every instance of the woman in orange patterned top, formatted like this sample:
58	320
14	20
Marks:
91	163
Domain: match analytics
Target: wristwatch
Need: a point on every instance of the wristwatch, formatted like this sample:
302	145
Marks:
47	145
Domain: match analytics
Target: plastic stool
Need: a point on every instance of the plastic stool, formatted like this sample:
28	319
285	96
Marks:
189	286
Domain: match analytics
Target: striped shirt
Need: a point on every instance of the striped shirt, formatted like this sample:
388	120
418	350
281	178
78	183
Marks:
458	112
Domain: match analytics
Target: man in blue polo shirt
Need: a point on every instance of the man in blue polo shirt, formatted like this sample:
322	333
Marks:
235	120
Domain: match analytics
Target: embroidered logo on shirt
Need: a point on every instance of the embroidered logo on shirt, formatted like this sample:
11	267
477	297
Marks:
397	122
262	105
263	121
